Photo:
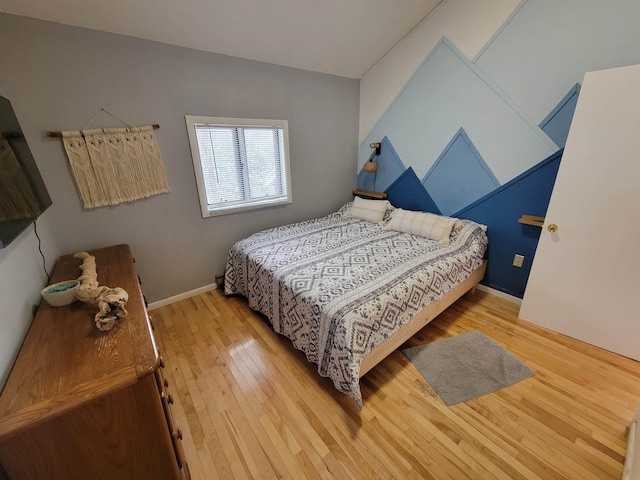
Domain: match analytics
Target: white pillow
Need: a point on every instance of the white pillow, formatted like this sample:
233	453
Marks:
371	210
429	225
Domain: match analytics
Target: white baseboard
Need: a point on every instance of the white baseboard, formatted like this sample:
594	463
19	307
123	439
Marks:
212	286
182	296
500	294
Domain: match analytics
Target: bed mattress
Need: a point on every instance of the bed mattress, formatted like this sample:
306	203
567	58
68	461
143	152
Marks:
338	286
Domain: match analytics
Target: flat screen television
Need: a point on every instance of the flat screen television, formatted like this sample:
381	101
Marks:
23	194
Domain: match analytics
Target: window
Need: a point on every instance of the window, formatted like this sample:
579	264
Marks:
240	163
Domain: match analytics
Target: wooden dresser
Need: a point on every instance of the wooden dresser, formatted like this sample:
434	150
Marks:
84	404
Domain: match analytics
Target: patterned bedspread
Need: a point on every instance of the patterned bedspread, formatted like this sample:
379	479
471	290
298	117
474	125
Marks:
338	286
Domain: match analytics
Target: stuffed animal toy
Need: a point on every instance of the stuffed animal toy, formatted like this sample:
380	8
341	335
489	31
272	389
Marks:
110	301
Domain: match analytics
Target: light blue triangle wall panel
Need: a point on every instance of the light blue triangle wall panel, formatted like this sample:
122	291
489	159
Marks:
459	176
366	181
557	123
390	167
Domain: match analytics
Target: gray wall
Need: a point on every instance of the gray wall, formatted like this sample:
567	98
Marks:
22	275
57	77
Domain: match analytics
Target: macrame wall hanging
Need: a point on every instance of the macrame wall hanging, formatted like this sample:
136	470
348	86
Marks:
114	165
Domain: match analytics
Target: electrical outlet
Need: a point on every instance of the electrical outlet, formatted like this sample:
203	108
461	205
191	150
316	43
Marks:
518	260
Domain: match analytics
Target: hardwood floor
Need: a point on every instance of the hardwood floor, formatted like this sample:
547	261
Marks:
250	406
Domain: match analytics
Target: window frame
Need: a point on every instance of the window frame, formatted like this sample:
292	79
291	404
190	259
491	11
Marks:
193	120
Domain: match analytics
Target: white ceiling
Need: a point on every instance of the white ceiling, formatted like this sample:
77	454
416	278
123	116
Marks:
340	37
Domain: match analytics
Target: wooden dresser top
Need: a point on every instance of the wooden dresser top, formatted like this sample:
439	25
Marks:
65	360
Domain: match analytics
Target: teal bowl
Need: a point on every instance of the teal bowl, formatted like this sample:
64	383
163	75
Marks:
61	293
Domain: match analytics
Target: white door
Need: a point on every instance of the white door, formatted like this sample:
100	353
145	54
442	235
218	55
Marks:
585	278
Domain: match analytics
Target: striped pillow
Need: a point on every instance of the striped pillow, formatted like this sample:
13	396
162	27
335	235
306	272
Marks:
371	210
424	224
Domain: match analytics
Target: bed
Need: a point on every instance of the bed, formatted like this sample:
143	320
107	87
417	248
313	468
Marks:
349	288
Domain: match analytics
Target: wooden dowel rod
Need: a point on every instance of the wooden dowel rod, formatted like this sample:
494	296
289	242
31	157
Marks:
59	134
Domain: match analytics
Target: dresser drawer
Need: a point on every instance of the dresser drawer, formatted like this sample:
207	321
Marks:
167	401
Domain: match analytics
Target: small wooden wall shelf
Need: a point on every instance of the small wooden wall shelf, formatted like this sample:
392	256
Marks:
531	220
369	193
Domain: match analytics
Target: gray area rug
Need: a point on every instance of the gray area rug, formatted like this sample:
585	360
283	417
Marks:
466	366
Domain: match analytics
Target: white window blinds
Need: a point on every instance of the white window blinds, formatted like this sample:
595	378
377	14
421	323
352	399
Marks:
239	166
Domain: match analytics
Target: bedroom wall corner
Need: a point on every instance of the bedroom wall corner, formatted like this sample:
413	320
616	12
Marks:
22	276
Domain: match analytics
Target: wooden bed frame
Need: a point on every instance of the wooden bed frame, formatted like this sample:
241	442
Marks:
421	319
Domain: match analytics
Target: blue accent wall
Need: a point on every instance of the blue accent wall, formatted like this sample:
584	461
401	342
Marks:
500	210
514	102
528	193
459	176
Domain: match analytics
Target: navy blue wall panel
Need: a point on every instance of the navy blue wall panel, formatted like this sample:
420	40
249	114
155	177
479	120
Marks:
407	192
529	193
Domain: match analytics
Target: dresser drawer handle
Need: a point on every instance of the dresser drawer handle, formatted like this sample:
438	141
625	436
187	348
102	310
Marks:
170	399
179	433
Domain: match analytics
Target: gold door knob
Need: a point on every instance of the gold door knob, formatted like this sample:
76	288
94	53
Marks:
553	228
